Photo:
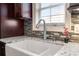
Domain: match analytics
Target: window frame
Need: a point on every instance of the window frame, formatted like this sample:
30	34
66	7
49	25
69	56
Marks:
52	24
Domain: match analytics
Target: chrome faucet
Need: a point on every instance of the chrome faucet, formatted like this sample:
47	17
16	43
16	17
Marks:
44	31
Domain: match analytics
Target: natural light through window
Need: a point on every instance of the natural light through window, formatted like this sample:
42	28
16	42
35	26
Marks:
52	13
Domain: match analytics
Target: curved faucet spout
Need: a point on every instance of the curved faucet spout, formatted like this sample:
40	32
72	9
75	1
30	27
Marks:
44	31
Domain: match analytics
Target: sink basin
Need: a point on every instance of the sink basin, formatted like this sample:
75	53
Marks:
31	48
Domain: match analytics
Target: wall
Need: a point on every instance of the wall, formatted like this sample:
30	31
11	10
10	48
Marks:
75	23
68	18
26	10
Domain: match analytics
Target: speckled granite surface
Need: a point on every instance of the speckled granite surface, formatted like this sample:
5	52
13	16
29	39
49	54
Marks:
21	38
68	49
13	39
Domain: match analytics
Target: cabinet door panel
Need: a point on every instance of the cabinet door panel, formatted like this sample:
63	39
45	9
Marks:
14	10
2	49
11	10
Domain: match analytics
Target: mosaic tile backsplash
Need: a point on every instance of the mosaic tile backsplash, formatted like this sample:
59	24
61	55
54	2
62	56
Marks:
28	30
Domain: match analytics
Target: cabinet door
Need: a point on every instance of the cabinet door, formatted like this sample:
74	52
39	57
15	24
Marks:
0	20
2	49
10	10
17	10
14	10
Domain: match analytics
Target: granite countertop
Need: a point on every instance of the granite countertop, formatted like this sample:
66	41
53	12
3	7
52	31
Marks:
69	49
13	39
21	38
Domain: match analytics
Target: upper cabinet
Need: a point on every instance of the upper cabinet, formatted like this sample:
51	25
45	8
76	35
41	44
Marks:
74	8
14	10
17	10
26	10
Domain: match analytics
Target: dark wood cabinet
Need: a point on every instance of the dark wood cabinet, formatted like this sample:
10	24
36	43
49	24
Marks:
10	22
14	10
2	49
0	20
31	10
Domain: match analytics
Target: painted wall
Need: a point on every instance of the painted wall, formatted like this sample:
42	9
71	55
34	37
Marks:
25	10
75	23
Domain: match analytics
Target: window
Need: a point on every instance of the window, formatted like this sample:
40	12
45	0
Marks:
52	13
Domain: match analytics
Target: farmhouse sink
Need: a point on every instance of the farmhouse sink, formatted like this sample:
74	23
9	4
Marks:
31	47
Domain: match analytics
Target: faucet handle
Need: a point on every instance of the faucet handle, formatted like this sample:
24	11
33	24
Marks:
50	36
